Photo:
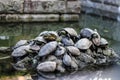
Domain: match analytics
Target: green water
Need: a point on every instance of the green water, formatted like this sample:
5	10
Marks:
10	33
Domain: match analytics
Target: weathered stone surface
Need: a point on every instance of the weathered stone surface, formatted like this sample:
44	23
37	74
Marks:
108	2
69	17
100	9
38	17
28	17
44	6
112	2
100	6
11	6
51	6
73	7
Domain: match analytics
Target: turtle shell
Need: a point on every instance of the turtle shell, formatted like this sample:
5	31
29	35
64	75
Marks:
48	48
71	31
48	66
40	39
43	33
73	50
86	33
20	43
86	58
83	44
67	41
60	51
51	36
35	47
67	60
20	51
96	38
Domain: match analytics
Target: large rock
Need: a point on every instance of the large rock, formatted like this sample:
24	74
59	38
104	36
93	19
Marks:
11	6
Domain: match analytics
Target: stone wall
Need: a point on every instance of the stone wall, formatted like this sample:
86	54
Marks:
105	8
39	10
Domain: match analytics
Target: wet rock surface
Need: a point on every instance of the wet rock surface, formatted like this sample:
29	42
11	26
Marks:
50	56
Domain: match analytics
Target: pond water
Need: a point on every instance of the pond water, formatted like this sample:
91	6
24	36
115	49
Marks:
10	33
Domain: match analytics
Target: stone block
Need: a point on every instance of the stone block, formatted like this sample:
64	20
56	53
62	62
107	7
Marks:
51	6
44	6
112	2
73	7
11	6
69	17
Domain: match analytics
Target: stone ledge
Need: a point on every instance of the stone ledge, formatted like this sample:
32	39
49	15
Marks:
29	17
38	17
69	17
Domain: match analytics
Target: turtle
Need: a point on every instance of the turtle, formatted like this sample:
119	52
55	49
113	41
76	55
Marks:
49	35
83	44
22	64
60	51
20	43
34	47
109	52
74	64
103	42
47	66
20	51
67	41
59	66
69	32
73	50
40	40
47	48
86	33
87	58
96	38
67	60
92	35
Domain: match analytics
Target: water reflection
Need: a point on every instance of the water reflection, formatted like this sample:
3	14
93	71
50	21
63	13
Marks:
13	32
